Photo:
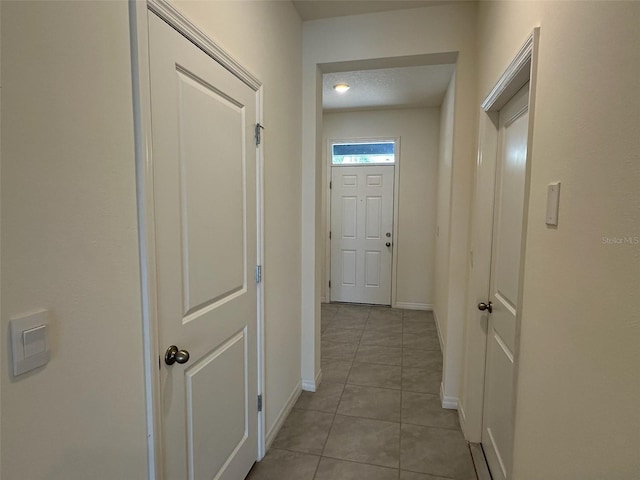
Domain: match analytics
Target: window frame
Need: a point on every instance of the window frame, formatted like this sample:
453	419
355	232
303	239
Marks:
352	141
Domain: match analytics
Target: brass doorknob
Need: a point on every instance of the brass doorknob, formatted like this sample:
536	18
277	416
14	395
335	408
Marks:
173	355
484	306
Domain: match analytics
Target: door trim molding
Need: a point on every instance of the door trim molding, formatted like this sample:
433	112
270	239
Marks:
514	77
182	24
327	217
522	69
141	93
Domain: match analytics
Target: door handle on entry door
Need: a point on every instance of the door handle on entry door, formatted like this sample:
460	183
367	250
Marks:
485	306
173	355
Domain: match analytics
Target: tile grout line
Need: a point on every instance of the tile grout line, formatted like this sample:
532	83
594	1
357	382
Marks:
402	389
315	472
360	343
401	399
326	440
355	462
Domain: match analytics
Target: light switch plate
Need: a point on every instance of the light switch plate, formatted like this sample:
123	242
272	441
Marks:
29	341
34	341
553	203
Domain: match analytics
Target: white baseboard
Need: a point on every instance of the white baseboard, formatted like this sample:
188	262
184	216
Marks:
282	416
450	403
312	385
462	418
414	306
435	317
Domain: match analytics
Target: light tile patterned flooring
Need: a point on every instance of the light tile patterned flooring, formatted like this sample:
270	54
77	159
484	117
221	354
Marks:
377	413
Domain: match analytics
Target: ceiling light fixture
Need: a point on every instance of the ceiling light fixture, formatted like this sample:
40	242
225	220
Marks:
341	87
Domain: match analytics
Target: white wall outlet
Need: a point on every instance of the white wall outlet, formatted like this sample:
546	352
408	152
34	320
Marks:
29	341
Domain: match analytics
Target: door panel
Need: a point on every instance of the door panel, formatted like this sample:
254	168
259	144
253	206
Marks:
372	269
361	216
497	432
220	375
349	264
374	180
349	217
212	193
373	218
204	163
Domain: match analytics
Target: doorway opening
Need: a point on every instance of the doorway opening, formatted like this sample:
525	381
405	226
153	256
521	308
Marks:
405	97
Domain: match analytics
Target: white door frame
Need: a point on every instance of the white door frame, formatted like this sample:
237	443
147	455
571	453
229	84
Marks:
139	27
522	69
396	192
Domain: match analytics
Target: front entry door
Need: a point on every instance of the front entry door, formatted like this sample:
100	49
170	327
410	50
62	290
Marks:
497	429
204	173
361	234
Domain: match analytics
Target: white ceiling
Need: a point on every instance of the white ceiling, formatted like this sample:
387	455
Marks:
421	86
316	9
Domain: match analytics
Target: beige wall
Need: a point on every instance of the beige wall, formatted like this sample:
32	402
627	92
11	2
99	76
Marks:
418	131
265	38
69	228
578	386
69	242
419	31
443	212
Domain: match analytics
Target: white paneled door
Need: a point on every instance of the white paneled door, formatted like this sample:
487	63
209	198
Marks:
497	430
204	161
361	234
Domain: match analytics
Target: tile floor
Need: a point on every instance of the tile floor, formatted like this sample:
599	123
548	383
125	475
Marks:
377	413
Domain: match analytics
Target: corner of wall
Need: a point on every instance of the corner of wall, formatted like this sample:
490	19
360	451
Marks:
282	415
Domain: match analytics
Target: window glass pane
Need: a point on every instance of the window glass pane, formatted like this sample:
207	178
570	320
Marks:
363	153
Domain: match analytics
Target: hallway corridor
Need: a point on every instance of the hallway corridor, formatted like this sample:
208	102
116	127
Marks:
377	413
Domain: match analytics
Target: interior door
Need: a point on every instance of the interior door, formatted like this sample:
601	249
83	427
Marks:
204	162
361	234
497	431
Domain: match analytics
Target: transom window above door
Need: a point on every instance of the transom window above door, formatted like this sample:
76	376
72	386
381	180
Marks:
363	153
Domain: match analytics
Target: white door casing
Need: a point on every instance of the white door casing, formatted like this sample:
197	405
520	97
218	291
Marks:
204	158
361	234
506	261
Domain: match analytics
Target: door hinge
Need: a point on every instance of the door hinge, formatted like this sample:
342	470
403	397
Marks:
329	283
330	185
260	402
258	273
258	133
329	234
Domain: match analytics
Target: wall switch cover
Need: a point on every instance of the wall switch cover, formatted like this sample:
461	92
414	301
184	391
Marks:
29	341
553	203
